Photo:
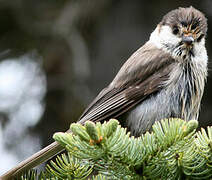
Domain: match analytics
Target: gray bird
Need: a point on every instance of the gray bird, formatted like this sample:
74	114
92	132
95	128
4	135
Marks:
162	79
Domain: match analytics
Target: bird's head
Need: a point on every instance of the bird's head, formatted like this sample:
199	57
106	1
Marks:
181	31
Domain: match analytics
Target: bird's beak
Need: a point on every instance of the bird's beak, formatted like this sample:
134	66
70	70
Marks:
187	39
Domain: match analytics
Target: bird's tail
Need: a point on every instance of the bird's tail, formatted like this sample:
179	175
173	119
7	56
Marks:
36	159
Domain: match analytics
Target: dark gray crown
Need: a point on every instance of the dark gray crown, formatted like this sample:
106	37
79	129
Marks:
189	17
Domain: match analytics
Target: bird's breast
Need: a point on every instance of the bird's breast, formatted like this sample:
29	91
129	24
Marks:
180	97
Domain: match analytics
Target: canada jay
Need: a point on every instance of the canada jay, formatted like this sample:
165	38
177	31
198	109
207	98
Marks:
162	79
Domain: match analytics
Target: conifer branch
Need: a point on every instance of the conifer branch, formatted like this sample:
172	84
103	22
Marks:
173	150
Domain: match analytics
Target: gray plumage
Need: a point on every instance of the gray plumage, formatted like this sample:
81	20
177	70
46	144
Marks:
160	80
180	98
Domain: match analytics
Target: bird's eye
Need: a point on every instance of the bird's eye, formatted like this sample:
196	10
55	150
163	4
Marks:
175	30
200	37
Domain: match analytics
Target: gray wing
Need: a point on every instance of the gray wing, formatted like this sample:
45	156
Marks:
141	76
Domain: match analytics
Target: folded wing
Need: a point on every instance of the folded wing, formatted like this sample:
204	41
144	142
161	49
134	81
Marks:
142	75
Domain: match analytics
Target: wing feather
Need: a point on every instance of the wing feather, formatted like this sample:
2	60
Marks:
142	75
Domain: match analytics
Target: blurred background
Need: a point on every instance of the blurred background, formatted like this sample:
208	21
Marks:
56	55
